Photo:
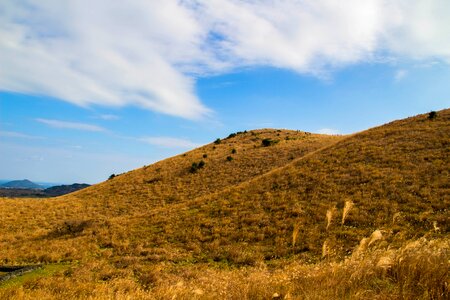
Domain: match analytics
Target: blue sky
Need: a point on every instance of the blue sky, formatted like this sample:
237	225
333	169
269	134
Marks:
85	93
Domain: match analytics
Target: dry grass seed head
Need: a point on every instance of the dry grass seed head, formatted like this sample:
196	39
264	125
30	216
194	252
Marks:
325	250
375	236
348	206
362	247
329	216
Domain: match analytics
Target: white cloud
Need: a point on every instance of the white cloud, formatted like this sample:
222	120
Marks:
169	142
102	53
13	134
149	53
298	35
70	125
400	74
419	29
108	117
329	131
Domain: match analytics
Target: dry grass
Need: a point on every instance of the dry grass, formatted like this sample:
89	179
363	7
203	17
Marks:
329	216
419	270
295	233
252	227
348	206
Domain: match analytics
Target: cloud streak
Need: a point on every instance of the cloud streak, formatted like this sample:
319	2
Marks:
71	125
400	75
109	117
150	53
169	142
329	131
13	134
55	164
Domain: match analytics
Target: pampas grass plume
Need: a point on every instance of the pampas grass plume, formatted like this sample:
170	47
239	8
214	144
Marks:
348	206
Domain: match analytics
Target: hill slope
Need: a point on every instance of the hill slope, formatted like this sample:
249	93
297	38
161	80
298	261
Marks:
378	198
53	191
59	190
396	177
129	196
229	162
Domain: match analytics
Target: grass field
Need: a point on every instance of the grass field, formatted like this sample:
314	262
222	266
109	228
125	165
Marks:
258	215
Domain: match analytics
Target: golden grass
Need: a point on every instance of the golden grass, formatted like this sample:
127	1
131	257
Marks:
295	233
329	216
418	270
347	207
375	236
252	227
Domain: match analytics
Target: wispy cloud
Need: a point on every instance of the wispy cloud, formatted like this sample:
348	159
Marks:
54	164
149	53
13	134
109	117
169	142
328	131
71	125
400	74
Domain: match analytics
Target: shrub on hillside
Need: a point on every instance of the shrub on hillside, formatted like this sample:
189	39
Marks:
268	142
196	166
70	227
201	164
232	135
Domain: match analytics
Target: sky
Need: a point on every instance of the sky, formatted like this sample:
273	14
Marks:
92	88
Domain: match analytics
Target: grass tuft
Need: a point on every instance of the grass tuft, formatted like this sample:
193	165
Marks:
348	206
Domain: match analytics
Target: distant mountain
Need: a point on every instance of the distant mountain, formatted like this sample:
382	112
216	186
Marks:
64	189
41	193
46	185
21	184
22	193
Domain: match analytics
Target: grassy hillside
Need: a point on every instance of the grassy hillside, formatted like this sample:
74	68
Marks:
47	234
224	163
395	178
310	216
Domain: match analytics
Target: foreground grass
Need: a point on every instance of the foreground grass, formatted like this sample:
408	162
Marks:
419	270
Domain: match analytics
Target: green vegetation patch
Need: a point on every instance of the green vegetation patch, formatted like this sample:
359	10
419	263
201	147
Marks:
44	271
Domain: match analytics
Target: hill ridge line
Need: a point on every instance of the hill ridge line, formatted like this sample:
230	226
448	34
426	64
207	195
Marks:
246	183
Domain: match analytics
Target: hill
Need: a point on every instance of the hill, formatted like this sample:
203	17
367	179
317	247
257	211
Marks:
42	193
22	193
64	189
21	184
207	170
290	215
163	184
